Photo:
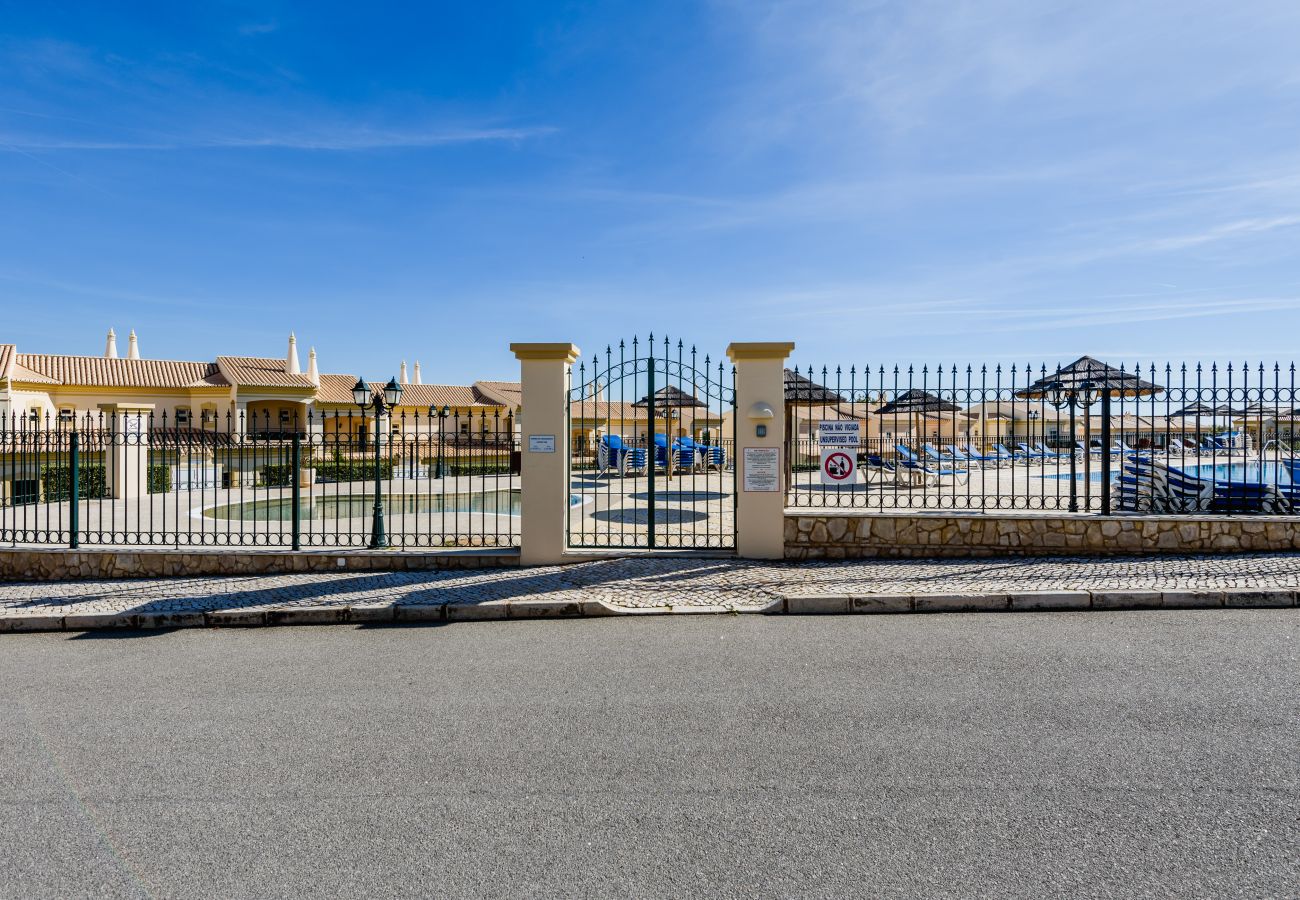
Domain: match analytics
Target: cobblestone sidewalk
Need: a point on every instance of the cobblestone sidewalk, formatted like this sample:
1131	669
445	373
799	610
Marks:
631	585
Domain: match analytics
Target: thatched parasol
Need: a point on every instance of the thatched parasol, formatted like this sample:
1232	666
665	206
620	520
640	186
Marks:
668	398
916	402
1086	372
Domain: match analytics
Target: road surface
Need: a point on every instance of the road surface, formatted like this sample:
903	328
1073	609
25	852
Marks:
1100	754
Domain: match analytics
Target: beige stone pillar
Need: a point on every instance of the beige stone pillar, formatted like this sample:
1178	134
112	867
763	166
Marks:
544	371
760	450
127	460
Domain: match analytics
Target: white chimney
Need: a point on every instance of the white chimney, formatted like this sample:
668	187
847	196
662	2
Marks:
402	378
110	347
291	361
417	372
313	374
132	347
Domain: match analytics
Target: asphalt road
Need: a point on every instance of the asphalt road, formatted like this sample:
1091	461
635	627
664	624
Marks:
1124	754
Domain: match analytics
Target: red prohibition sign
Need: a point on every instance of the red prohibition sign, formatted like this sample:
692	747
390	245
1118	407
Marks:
839	466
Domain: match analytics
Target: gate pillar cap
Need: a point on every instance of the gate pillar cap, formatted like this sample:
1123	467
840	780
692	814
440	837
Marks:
760	350
567	352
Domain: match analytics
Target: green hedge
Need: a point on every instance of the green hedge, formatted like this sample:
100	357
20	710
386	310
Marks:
277	476
159	479
57	483
353	470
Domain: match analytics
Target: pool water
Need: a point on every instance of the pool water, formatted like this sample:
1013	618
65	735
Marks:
354	506
1253	472
1241	472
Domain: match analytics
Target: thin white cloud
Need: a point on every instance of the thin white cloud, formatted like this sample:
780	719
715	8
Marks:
340	140
255	28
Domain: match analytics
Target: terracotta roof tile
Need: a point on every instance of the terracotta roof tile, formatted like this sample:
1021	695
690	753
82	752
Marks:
454	395
511	392
263	372
6	359
335	389
100	371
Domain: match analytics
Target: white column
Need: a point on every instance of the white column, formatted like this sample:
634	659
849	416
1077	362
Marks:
544	371
127	469
760	430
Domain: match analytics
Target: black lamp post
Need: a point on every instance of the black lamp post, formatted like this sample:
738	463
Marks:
438	471
365	398
1073	395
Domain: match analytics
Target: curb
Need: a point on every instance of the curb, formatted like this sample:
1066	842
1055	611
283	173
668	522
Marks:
791	604
1035	601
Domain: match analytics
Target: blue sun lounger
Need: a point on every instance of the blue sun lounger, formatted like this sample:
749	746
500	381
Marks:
612	455
909	460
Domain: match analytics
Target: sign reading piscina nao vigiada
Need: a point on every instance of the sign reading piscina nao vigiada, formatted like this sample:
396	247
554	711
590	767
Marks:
839	433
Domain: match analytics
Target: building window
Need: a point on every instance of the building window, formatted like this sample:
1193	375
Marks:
34	415
464	428
182	417
208	417
67	415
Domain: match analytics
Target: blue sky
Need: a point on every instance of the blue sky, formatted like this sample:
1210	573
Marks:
932	182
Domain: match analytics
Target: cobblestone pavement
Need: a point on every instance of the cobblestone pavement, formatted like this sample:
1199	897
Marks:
650	584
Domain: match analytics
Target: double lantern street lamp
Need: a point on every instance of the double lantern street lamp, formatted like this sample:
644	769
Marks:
365	398
1074	394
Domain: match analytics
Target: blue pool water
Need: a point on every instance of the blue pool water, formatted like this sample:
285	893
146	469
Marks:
351	506
1249	472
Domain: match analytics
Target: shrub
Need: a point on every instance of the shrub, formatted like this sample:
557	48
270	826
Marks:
354	470
159	479
57	483
277	476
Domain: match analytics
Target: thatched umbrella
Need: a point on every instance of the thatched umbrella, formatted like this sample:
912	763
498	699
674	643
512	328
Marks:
1080	384
917	402
668	398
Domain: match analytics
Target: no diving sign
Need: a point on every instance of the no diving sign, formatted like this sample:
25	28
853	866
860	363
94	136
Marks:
839	467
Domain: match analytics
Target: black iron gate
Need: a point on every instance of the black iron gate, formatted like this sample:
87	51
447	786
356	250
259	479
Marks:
652	449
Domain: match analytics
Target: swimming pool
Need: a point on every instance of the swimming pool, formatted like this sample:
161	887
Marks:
354	506
1266	472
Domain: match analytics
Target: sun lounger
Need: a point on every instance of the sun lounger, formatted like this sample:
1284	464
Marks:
934	477
612	455
939	456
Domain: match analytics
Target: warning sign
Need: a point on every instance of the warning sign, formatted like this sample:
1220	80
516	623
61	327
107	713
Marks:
839	433
839	467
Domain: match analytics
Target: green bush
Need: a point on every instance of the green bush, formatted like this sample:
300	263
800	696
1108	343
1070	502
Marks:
57	483
354	470
159	479
277	476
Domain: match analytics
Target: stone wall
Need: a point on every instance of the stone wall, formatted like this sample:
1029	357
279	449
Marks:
850	535
61	565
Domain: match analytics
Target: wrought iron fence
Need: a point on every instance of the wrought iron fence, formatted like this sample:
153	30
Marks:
316	480
1087	437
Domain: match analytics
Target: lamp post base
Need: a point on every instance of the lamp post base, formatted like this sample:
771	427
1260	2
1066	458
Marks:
378	538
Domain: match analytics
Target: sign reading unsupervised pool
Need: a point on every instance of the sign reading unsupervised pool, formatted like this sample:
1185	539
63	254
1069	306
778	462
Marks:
839	433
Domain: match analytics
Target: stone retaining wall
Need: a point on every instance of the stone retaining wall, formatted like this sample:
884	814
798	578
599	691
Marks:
854	535
51	564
